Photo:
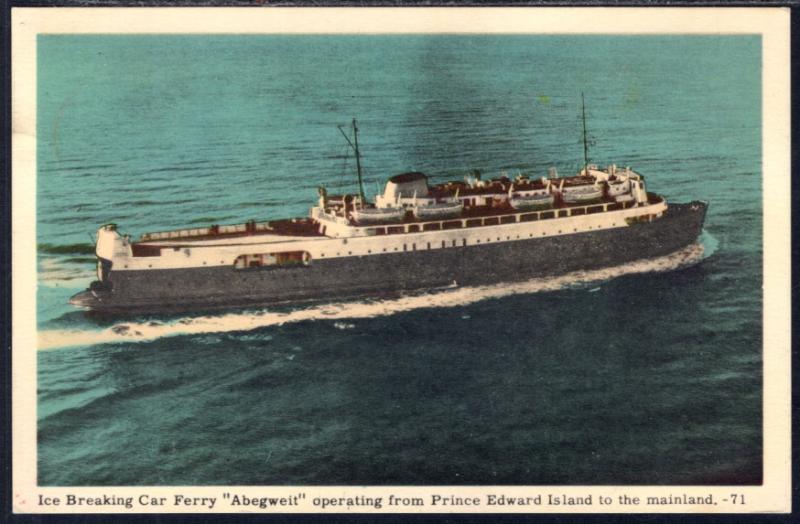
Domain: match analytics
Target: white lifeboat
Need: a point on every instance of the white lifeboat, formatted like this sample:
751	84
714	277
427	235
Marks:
378	215
582	195
438	211
624	198
531	202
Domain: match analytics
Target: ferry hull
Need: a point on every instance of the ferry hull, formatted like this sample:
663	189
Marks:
160	290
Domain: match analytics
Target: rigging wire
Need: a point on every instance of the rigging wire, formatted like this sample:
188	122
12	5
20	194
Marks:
346	156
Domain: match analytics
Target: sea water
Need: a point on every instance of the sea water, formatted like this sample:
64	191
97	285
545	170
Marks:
647	373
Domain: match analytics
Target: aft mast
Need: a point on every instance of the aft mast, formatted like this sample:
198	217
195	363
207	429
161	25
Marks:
358	163
585	142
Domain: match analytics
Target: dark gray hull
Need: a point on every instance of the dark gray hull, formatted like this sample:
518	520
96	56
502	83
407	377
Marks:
337	278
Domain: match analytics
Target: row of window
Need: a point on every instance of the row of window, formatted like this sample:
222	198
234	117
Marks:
496	220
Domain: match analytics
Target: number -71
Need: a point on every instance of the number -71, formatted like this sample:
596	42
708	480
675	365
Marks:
737	499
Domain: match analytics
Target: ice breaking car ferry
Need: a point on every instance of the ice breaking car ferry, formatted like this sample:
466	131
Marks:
414	236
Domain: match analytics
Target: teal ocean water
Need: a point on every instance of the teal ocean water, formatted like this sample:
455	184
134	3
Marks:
632	375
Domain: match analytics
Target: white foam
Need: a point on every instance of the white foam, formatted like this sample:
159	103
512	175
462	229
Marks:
709	243
456	296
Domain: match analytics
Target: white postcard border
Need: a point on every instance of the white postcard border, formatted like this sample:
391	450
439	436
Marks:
771	23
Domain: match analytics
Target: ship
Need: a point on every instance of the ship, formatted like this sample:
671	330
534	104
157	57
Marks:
415	236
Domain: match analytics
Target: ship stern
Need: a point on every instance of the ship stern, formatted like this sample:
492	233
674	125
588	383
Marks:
100	290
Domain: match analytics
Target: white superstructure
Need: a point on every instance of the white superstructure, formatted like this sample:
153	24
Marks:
331	231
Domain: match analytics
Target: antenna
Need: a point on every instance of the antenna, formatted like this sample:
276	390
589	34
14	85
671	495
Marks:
585	143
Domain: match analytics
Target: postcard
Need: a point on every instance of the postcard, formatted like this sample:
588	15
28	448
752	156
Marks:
393	260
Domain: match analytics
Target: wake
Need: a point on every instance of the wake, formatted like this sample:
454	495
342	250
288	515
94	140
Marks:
456	296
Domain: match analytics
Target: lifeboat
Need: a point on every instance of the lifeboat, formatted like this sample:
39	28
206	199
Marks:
618	187
378	215
531	202
582	195
623	198
438	211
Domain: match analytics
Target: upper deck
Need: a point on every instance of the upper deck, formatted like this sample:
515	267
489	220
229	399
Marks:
485	203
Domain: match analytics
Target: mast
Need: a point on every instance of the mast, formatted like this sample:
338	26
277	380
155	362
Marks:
585	143
358	158
358	163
